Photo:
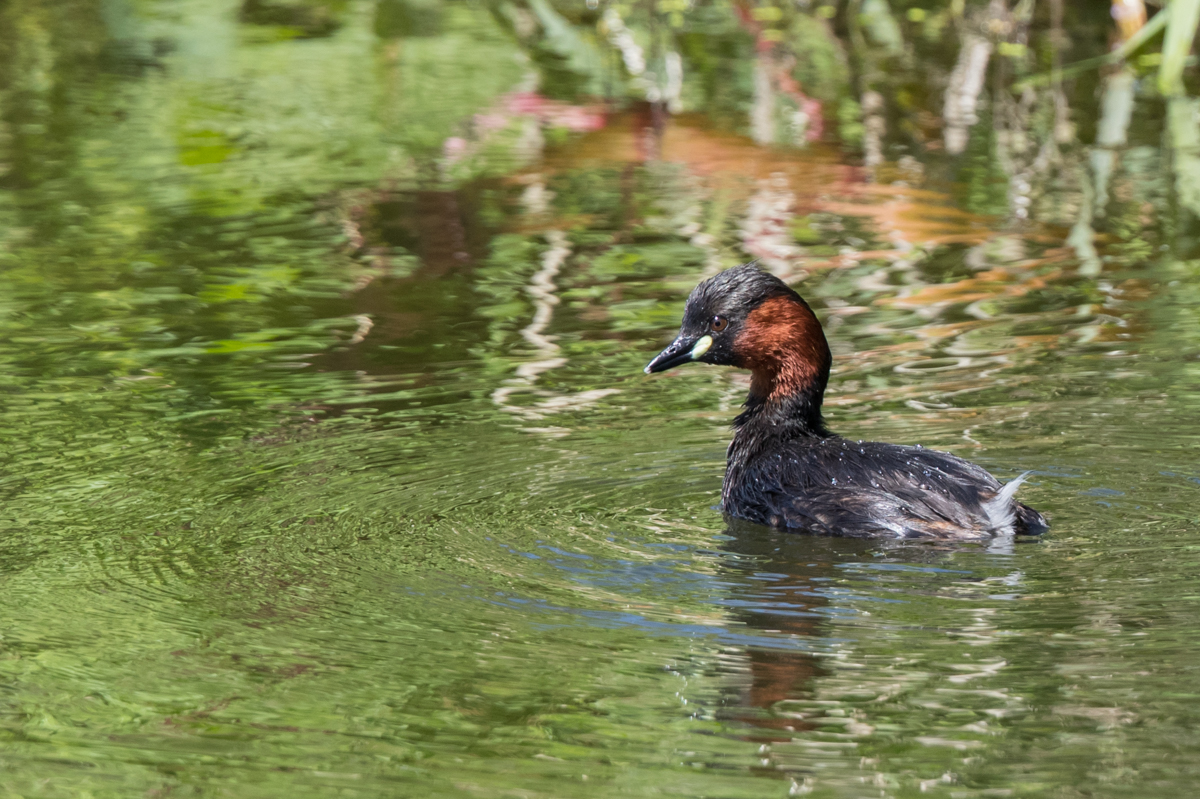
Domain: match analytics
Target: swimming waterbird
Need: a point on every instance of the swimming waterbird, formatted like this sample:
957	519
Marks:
786	469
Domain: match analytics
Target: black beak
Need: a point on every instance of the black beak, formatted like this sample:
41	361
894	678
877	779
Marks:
678	353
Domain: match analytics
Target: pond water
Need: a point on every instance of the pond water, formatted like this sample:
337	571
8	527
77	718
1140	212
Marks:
324	478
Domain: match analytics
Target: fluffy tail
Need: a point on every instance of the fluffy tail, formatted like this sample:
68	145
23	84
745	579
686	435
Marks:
1001	510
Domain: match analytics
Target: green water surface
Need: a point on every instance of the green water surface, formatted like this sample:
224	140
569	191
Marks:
329	468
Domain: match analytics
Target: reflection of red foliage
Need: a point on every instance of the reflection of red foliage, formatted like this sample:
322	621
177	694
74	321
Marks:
781	74
553	113
761	43
811	108
515	105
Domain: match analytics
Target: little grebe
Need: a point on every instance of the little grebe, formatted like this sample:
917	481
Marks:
785	469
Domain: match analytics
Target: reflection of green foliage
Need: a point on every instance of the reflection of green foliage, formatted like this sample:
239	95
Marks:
646	260
1182	26
716	51
174	233
503	280
406	18
984	185
570	57
881	27
821	67
1183	113
305	19
437	81
1140	199
804	232
204	147
590	191
850	124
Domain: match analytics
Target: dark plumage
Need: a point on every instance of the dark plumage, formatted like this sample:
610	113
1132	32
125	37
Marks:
785	469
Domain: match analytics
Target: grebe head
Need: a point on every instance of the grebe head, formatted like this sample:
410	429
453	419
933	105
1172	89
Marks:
748	318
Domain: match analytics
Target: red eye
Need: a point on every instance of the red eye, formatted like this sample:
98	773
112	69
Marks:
718	323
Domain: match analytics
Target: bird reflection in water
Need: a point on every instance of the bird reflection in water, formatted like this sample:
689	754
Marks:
780	586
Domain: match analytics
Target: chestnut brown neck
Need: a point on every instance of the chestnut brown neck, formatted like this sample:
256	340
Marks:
783	346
